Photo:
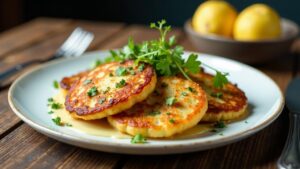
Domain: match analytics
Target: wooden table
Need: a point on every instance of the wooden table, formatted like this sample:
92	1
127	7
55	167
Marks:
23	147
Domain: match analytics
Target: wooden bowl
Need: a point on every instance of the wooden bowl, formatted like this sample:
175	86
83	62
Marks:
251	52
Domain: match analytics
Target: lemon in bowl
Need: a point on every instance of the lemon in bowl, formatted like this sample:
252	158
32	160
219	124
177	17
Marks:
257	22
214	17
259	36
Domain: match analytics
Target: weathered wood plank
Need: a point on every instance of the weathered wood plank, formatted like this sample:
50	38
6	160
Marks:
82	158
8	119
48	46
23	146
29	33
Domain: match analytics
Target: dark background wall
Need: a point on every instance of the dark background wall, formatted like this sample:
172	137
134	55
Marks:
13	12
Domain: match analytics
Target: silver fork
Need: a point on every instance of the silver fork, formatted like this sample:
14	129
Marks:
74	46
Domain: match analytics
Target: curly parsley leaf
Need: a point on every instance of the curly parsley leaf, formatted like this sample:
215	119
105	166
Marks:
220	79
138	139
164	55
121	71
92	92
56	106
164	67
57	121
121	84
192	64
219	124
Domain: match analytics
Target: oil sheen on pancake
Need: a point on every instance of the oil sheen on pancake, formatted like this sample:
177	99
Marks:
175	105
227	103
109	89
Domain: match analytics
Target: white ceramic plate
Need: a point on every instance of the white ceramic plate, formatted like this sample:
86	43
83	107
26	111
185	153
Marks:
28	99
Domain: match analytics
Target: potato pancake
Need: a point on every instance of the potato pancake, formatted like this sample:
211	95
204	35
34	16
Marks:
67	82
175	105
227	103
109	89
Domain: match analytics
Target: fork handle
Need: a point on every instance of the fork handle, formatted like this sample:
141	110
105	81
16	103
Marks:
290	157
11	71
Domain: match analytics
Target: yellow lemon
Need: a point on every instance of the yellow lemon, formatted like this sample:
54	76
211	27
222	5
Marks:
257	22
214	17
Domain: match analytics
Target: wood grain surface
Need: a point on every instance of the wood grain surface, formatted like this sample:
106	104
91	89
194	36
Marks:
23	147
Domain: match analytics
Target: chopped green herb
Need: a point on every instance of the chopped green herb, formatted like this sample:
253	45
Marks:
87	81
220	124
192	64
220	79
92	92
141	67
138	139
168	113
172	121
57	121
184	93
53	104
56	106
50	112
164	55
101	100
191	89
110	74
170	101
96	63
154	113
221	134
122	83
121	71
55	84
218	95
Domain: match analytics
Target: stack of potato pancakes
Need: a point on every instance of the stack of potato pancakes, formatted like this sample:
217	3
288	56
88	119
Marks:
137	101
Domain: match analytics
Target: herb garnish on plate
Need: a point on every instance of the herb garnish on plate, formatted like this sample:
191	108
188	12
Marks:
165	56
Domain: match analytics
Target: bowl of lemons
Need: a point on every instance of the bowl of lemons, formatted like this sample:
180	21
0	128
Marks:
255	35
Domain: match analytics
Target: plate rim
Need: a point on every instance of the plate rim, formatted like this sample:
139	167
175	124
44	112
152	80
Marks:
135	147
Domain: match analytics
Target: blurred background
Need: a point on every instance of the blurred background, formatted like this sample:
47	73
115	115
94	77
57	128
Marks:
14	12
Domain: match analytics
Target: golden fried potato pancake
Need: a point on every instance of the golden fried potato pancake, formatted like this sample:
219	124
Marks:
109	89
67	82
227	103
175	105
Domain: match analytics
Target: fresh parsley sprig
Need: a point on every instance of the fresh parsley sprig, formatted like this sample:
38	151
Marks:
164	55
